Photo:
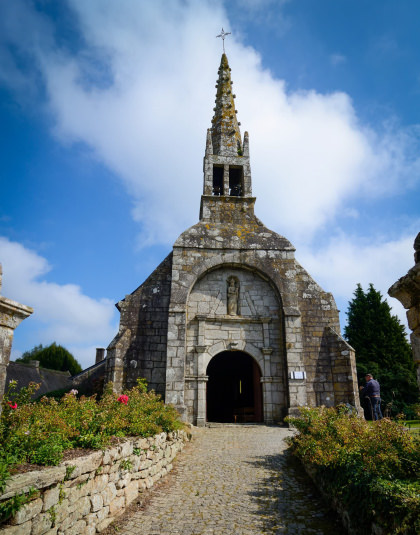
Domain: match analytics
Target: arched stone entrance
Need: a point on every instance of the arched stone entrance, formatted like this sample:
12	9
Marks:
251	329
234	391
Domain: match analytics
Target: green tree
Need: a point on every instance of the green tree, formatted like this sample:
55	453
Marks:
53	357
382	349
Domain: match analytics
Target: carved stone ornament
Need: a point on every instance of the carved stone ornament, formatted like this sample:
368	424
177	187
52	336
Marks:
232	296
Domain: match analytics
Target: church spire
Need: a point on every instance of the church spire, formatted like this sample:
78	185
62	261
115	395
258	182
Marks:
226	136
227	172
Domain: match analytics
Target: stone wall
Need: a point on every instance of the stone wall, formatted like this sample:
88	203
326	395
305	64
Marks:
83	496
139	349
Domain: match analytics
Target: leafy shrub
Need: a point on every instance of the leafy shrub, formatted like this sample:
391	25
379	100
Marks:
40	431
370	467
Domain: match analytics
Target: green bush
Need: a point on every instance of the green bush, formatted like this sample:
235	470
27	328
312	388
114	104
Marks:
370	467
40	431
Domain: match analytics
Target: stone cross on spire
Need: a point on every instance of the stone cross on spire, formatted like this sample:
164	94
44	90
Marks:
223	35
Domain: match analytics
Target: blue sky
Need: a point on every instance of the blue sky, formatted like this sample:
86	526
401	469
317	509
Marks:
104	107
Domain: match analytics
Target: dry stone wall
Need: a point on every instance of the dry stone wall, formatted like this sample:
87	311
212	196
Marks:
83	496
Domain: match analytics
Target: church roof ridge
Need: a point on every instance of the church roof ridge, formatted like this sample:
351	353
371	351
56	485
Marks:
226	136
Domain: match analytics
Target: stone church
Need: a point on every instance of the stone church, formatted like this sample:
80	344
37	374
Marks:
230	327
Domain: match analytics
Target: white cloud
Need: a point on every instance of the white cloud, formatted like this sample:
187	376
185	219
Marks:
62	313
146	110
346	261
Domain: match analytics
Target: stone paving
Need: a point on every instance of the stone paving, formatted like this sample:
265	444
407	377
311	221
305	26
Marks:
234	480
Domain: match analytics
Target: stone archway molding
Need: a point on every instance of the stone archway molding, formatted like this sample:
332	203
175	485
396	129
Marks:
237	345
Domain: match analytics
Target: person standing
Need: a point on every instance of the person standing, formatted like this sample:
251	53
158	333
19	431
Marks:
372	391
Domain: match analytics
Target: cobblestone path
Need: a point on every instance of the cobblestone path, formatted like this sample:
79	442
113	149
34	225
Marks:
234	480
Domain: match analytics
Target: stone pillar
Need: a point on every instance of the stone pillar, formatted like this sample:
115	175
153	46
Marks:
225	180
267	399
11	314
293	334
202	400
267	351
202	379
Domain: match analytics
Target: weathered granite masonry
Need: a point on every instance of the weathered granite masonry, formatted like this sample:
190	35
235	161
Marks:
11	314
232	287
139	349
84	495
407	291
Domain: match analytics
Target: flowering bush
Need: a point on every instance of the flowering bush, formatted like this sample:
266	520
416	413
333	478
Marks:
371	467
39	431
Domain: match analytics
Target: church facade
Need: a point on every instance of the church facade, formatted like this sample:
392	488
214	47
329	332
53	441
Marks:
229	327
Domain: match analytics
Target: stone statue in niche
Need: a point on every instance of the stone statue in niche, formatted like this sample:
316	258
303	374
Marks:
232	296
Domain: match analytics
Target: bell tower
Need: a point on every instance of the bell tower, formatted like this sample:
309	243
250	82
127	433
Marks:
227	171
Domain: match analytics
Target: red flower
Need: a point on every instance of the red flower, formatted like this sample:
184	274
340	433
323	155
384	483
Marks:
12	405
123	399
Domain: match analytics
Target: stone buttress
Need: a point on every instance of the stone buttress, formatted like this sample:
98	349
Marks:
232	292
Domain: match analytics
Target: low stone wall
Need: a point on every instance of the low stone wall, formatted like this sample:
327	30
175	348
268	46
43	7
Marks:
84	495
351	524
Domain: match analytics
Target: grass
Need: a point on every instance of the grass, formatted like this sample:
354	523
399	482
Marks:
413	426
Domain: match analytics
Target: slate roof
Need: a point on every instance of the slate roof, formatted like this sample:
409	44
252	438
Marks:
25	373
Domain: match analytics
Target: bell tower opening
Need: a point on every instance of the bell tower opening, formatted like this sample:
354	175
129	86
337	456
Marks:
234	393
217	179
235	181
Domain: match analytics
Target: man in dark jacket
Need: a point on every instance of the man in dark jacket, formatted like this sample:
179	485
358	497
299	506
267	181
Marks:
371	392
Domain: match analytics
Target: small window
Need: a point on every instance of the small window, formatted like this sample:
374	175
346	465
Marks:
235	181
217	180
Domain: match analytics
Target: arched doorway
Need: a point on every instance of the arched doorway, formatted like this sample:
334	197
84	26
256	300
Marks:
234	389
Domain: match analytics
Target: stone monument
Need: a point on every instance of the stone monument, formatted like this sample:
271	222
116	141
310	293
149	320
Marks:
11	314
407	291
230	327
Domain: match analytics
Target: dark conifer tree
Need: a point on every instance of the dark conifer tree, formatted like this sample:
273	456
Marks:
382	349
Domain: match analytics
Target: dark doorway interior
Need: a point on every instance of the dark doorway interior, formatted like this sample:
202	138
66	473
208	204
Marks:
234	388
